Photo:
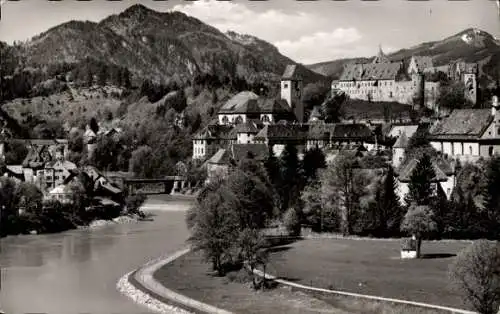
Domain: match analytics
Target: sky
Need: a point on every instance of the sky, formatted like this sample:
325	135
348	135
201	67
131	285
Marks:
306	31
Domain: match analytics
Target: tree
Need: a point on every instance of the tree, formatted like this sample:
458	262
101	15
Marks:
419	222
491	194
89	79
389	212
452	96
291	220
126	78
476	272
420	188
313	160
273	169
290	169
140	162
214	227
252	250
314	94
103	75
15	152
332	107
94	126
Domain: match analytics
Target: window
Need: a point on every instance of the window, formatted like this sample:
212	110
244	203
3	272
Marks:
238	120
225	119
490	151
498	131
470	150
448	191
285	85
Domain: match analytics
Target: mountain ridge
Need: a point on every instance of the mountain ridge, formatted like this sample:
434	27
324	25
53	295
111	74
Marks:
470	45
161	46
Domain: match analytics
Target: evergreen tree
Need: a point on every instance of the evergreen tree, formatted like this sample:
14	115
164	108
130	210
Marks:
392	210
290	168
126	78
273	169
90	77
313	160
491	219
103	75
421	188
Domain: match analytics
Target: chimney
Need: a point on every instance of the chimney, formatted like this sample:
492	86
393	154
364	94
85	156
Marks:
494	105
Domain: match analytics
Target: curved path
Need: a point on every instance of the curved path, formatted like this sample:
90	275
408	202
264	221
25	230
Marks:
76	271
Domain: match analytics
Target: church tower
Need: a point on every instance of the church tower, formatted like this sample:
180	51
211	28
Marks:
291	91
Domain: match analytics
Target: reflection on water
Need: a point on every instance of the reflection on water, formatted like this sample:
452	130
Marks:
76	271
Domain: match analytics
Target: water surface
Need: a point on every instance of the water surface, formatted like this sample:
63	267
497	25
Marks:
76	271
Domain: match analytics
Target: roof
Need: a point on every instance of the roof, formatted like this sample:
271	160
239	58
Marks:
290	73
318	131
398	129
371	71
423	62
60	163
442	169
220	157
353	130
283	131
247	127
241	102
16	169
463	123
402	141
249	102
216	131
241	151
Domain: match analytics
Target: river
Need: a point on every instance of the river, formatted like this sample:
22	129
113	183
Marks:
75	272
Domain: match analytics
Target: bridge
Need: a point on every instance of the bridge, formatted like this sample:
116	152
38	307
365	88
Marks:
165	185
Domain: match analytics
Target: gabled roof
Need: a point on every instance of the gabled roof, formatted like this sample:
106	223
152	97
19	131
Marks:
371	71
247	127
216	131
249	102
290	73
402	141
318	131
397	129
442	169
241	151
221	157
283	131
463	124
241	103
347	131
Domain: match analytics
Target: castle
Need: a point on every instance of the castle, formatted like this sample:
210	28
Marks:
396	81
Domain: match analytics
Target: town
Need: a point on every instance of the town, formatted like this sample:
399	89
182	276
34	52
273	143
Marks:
150	161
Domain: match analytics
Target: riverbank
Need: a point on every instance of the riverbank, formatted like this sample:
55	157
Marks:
189	275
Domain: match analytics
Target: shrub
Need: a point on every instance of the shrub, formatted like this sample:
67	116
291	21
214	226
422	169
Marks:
292	222
134	202
476	271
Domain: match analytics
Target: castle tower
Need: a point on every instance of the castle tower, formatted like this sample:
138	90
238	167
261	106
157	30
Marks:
291	91
419	94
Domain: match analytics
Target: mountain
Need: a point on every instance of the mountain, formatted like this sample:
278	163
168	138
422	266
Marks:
470	45
160	46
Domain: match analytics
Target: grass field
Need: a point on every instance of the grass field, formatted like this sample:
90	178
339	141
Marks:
371	267
189	276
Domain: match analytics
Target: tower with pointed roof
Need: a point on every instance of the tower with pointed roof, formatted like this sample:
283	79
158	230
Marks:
381	57
291	91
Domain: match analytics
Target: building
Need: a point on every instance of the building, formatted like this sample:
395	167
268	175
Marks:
219	165
396	81
56	172
445	179
468	134
277	136
211	138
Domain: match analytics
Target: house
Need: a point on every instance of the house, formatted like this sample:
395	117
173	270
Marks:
277	136
219	165
445	179
398	150
55	173
246	106
211	138
468	134
246	131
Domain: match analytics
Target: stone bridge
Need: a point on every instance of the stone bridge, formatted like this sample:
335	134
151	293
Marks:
166	185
